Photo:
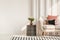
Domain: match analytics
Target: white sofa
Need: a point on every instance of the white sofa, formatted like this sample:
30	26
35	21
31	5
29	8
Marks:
48	28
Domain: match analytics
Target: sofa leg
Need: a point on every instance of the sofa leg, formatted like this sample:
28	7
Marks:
43	33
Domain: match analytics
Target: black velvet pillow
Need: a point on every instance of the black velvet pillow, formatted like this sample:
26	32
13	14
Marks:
51	22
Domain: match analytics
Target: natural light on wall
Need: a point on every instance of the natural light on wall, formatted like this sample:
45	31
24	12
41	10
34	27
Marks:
43	8
49	7
54	7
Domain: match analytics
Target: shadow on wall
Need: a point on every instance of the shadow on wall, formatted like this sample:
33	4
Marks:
23	31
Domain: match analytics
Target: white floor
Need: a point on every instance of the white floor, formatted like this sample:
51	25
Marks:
5	37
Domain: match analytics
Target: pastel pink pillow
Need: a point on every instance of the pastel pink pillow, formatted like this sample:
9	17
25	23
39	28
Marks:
51	17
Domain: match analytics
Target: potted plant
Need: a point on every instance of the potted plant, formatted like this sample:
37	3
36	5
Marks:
31	19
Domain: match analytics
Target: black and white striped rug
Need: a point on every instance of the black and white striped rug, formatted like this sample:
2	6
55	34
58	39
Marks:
35	38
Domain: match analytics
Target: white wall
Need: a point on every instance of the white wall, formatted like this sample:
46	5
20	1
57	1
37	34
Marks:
13	15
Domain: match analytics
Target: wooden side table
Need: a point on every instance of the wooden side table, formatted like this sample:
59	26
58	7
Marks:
31	30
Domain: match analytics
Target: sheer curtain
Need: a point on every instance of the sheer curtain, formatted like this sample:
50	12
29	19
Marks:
43	8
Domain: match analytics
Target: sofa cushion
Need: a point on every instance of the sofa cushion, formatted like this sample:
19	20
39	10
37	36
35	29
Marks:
51	22
58	21
51	17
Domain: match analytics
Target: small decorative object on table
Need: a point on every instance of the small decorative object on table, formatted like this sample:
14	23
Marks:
31	29
31	19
